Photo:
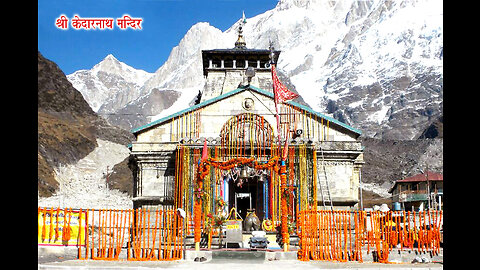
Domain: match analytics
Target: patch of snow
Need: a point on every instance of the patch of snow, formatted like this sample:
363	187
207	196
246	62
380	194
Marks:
182	103
112	65
381	190
82	185
379	116
356	104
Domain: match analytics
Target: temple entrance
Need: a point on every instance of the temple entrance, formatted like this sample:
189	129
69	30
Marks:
241	172
248	193
247	135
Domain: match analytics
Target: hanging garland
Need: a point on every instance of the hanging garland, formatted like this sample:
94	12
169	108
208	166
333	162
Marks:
204	168
283	204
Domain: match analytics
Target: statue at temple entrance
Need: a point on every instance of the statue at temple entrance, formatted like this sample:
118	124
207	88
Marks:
251	222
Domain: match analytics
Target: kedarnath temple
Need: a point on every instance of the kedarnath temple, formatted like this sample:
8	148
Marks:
235	126
245	159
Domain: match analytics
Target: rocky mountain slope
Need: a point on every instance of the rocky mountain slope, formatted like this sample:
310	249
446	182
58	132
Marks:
389	160
68	129
83	184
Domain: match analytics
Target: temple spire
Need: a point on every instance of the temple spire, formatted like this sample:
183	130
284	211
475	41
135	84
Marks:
240	43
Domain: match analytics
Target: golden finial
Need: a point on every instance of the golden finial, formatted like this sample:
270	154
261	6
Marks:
240	43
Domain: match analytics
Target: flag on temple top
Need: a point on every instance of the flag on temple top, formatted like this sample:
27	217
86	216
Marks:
243	17
280	91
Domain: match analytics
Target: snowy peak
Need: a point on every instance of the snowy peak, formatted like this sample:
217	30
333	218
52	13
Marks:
375	65
109	64
112	65
109	85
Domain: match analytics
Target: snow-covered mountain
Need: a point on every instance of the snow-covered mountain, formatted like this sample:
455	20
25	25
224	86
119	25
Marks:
109	85
183	68
373	64
376	65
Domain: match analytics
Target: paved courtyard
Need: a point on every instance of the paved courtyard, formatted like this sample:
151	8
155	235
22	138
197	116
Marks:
218	260
230	265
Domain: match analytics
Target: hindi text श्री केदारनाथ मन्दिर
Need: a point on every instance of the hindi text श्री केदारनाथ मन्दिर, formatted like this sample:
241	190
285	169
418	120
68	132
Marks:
77	23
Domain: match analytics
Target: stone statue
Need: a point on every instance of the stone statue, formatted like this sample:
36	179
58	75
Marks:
251	222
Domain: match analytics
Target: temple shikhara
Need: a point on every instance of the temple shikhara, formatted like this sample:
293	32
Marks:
232	147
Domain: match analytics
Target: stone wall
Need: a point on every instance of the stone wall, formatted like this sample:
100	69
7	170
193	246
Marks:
222	81
343	181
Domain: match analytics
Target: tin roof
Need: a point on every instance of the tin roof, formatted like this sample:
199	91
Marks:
432	176
236	91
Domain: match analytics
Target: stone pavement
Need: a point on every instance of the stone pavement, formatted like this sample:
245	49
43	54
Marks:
228	260
224	264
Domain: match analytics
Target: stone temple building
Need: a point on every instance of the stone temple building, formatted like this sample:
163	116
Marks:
236	117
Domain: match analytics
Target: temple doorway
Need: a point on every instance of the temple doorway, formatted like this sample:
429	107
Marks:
248	194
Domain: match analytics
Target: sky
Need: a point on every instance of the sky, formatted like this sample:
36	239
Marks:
164	23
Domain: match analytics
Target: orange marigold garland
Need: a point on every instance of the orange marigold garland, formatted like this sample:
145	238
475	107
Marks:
204	168
202	171
197	213
283	202
56	226
66	226
44	214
